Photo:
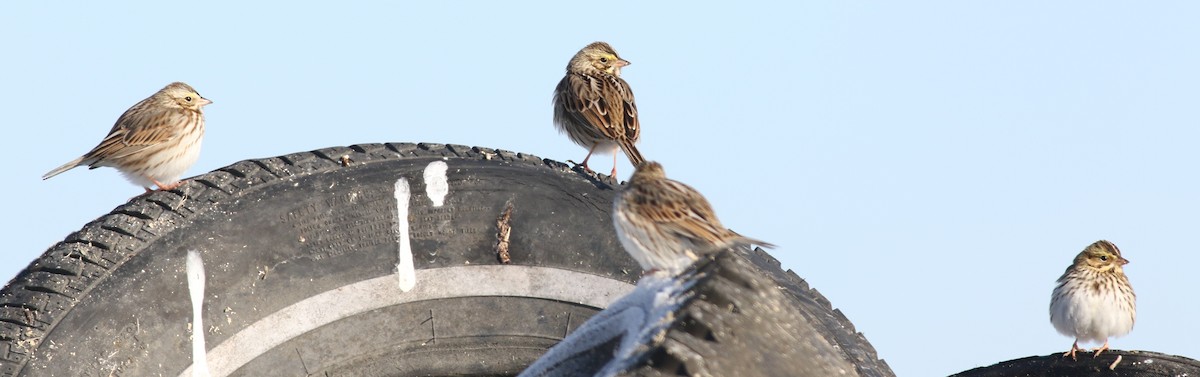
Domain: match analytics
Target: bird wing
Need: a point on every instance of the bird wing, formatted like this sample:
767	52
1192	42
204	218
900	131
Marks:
630	127
607	104
628	124
134	132
680	209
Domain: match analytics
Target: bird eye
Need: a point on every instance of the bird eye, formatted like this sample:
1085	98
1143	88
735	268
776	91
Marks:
603	60
188	98
1104	258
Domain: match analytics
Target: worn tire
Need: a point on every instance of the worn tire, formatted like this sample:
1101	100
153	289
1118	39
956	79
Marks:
737	322
301	252
1132	364
829	322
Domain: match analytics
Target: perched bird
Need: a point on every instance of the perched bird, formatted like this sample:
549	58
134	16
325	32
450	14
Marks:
154	141
666	225
1093	299
594	106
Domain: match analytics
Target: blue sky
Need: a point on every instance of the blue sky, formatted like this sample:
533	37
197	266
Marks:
931	167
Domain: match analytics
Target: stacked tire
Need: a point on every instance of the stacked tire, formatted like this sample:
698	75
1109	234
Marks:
390	259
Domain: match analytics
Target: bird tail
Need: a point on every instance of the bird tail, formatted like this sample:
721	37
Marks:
63	168
635	157
737	242
752	241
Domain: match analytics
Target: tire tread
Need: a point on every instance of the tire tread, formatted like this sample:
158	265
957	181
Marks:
44	292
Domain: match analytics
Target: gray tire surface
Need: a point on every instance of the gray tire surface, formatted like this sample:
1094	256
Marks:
739	323
829	322
1132	364
301	252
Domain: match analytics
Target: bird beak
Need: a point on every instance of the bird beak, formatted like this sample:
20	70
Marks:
1124	261
204	101
622	63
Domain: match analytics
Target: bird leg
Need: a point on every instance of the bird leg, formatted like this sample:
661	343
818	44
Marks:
614	172
1101	349
1074	347
161	186
589	155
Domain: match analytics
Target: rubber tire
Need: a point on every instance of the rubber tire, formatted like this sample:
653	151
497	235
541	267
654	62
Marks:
738	322
279	233
1133	364
829	322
